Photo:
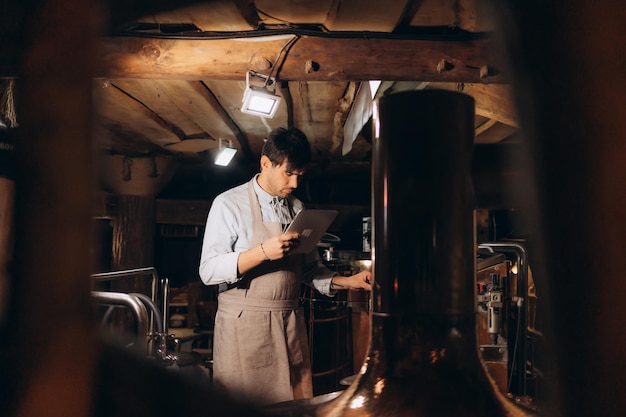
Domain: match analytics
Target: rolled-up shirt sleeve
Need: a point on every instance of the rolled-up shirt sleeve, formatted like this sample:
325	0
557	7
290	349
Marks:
218	260
317	275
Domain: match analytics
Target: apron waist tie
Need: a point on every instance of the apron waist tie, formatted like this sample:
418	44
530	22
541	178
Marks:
256	304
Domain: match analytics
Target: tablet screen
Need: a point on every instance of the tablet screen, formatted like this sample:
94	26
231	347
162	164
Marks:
311	224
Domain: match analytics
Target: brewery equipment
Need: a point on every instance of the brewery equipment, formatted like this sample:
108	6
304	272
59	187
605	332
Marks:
423	358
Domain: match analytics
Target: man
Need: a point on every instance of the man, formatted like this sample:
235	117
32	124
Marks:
260	347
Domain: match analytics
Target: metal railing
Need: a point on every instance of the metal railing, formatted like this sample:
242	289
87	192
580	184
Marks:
156	287
136	307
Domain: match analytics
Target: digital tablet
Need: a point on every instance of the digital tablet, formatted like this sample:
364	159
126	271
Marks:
311	224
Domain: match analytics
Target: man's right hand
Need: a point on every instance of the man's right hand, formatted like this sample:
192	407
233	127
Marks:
272	249
277	247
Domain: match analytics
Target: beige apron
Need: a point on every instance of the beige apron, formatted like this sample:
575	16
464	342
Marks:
260	347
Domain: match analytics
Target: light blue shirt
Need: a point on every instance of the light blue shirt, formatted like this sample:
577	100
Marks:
228	232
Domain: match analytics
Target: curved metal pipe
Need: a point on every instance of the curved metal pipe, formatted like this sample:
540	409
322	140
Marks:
521	256
134	304
154	288
158	325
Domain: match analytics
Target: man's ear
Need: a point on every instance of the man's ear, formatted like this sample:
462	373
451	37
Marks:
265	161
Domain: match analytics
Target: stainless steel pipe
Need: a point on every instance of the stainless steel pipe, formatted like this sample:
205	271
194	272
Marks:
155	284
137	308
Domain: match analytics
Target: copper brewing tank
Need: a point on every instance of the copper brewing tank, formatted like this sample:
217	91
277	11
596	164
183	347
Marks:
423	358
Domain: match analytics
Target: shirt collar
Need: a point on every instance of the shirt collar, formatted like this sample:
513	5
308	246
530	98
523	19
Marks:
265	198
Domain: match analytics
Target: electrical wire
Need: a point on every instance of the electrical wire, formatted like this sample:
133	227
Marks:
426	35
518	332
285	49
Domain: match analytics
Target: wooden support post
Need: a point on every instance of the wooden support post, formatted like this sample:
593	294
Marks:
133	240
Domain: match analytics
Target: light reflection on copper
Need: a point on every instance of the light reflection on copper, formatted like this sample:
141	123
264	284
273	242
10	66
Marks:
376	120
363	368
379	386
437	354
357	402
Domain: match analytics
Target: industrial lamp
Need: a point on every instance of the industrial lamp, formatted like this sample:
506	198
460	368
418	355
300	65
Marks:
259	100
226	152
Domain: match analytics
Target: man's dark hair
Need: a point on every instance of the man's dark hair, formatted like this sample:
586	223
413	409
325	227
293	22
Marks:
288	143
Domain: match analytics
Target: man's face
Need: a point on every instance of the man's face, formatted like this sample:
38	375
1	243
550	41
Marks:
282	181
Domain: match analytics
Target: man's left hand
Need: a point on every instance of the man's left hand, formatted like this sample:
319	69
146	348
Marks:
359	281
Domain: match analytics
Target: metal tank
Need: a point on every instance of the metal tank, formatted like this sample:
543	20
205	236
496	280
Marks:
422	358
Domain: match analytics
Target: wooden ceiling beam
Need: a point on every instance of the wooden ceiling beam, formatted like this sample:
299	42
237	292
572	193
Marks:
484	127
494	101
151	115
288	100
208	95
121	112
332	59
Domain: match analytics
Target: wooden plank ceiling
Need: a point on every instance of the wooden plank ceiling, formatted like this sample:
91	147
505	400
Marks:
170	81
